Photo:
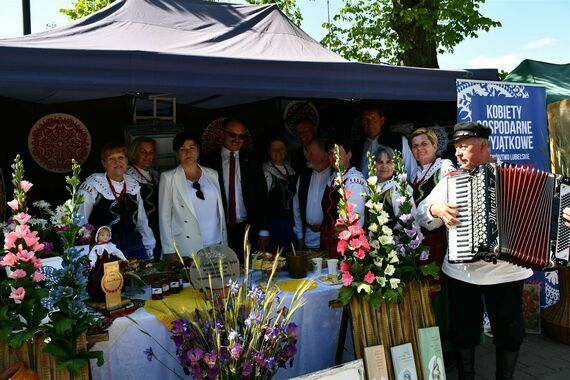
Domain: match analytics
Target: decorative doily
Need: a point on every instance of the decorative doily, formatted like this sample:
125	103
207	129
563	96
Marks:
297	110
57	138
442	139
212	137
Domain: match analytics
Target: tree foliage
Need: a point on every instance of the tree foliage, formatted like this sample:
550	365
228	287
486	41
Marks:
405	32
82	8
289	7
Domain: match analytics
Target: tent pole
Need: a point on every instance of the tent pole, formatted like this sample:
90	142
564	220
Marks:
27	20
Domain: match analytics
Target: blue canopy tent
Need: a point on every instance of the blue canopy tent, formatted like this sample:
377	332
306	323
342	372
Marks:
207	54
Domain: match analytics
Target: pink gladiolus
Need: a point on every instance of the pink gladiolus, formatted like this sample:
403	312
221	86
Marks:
347	193
31	240
14	204
22	218
37	276
344	266
364	243
347	279
18	273
352	217
9	260
26	186
355	230
37	262
10	240
344	235
25	255
360	254
350	206
18	294
355	243
369	277
341	247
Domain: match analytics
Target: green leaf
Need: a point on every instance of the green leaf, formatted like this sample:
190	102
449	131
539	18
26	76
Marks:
346	293
60	348
62	325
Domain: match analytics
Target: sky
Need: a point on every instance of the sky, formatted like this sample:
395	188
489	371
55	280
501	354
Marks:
533	29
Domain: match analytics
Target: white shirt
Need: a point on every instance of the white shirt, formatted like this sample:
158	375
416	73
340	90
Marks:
206	210
425	172
478	272
241	212
314	210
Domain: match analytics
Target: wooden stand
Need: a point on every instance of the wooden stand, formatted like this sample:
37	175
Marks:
392	325
32	356
556	318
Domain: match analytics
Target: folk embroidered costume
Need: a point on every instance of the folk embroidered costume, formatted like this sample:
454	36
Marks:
118	205
148	181
281	181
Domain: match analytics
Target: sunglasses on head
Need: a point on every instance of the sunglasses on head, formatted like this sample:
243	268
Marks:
199	193
233	135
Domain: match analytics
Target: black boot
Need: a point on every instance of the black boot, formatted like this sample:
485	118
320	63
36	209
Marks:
465	363
506	361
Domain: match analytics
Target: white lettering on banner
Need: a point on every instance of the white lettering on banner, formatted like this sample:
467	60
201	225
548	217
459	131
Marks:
511	142
501	111
507	127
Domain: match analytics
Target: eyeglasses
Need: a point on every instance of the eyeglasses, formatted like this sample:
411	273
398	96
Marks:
199	193
233	135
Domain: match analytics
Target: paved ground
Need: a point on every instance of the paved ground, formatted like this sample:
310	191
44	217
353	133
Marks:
540	358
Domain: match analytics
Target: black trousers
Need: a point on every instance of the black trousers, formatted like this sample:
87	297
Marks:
504	305
236	233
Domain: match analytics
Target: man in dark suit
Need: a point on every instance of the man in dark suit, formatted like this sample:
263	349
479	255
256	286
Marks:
245	198
305	131
375	133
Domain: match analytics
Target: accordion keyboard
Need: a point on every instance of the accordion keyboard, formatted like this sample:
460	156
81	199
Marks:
461	236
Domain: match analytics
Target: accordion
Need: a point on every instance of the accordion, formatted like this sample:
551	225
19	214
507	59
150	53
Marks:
512	213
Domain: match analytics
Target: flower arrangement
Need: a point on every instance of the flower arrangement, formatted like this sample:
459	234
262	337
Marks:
21	313
248	334
65	302
378	260
50	222
369	255
408	235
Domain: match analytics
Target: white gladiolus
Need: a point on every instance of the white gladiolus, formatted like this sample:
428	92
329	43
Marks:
390	270
373	180
394	282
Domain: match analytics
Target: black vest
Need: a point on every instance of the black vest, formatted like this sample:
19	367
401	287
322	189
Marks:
304	182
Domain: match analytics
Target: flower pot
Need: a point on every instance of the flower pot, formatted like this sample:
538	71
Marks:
297	265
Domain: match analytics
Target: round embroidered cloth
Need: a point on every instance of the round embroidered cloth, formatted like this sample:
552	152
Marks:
297	110
57	138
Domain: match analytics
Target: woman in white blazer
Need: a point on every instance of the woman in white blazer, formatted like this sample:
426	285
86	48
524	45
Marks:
190	210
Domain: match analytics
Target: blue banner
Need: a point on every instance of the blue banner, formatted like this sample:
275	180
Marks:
516	114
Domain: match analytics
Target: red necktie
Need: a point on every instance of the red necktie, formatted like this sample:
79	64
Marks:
232	190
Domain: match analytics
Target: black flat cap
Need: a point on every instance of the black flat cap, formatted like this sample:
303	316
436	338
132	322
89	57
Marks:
470	129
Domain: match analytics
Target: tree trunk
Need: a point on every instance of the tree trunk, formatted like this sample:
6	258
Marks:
416	48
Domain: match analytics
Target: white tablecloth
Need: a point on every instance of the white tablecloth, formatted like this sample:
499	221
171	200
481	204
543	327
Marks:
124	352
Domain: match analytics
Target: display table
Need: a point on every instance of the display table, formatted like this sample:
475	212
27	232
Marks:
125	358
